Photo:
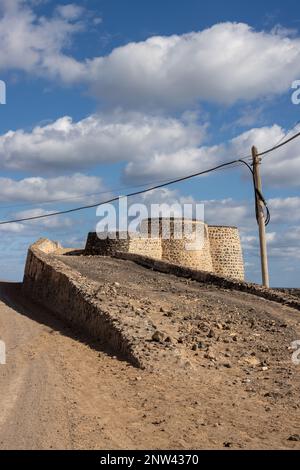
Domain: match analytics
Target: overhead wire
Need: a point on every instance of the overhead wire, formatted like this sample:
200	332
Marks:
168	183
135	193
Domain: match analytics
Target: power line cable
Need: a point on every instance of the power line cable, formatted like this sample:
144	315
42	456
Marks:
260	196
272	149
85	195
82	196
136	193
287	133
279	145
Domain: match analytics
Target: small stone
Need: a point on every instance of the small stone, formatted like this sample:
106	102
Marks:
264	368
169	314
117	284
227	365
210	356
187	365
294	438
194	347
227	444
252	361
158	336
211	334
246	381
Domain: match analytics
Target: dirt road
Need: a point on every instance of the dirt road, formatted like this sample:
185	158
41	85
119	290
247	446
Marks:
60	391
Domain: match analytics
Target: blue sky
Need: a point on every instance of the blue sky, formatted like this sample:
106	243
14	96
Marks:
103	95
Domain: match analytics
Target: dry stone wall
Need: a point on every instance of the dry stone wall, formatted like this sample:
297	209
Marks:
74	299
191	250
191	243
146	246
116	242
226	251
107	246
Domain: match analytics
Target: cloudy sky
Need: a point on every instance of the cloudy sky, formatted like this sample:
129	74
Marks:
106	95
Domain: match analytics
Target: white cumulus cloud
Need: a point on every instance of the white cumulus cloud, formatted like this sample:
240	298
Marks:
39	189
102	138
225	63
36	44
152	146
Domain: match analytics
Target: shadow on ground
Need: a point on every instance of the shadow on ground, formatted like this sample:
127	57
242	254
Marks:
11	294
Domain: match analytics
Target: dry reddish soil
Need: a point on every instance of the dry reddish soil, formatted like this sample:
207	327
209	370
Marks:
220	373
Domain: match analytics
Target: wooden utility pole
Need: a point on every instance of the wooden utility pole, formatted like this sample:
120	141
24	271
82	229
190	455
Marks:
261	219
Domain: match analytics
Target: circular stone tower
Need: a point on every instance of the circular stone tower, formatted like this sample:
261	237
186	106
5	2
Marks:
184	242
226	251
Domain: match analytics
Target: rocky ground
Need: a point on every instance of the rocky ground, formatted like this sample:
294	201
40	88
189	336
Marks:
294	292
227	343
219	369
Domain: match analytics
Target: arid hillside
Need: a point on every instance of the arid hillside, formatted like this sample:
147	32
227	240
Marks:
219	371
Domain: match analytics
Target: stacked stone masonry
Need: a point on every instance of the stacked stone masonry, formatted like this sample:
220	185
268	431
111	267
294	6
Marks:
226	252
192	244
119	242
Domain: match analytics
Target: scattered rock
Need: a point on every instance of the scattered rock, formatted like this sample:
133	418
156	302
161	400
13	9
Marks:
228	365
187	365
275	395
158	336
227	444
294	438
253	361
158	422
210	356
168	339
